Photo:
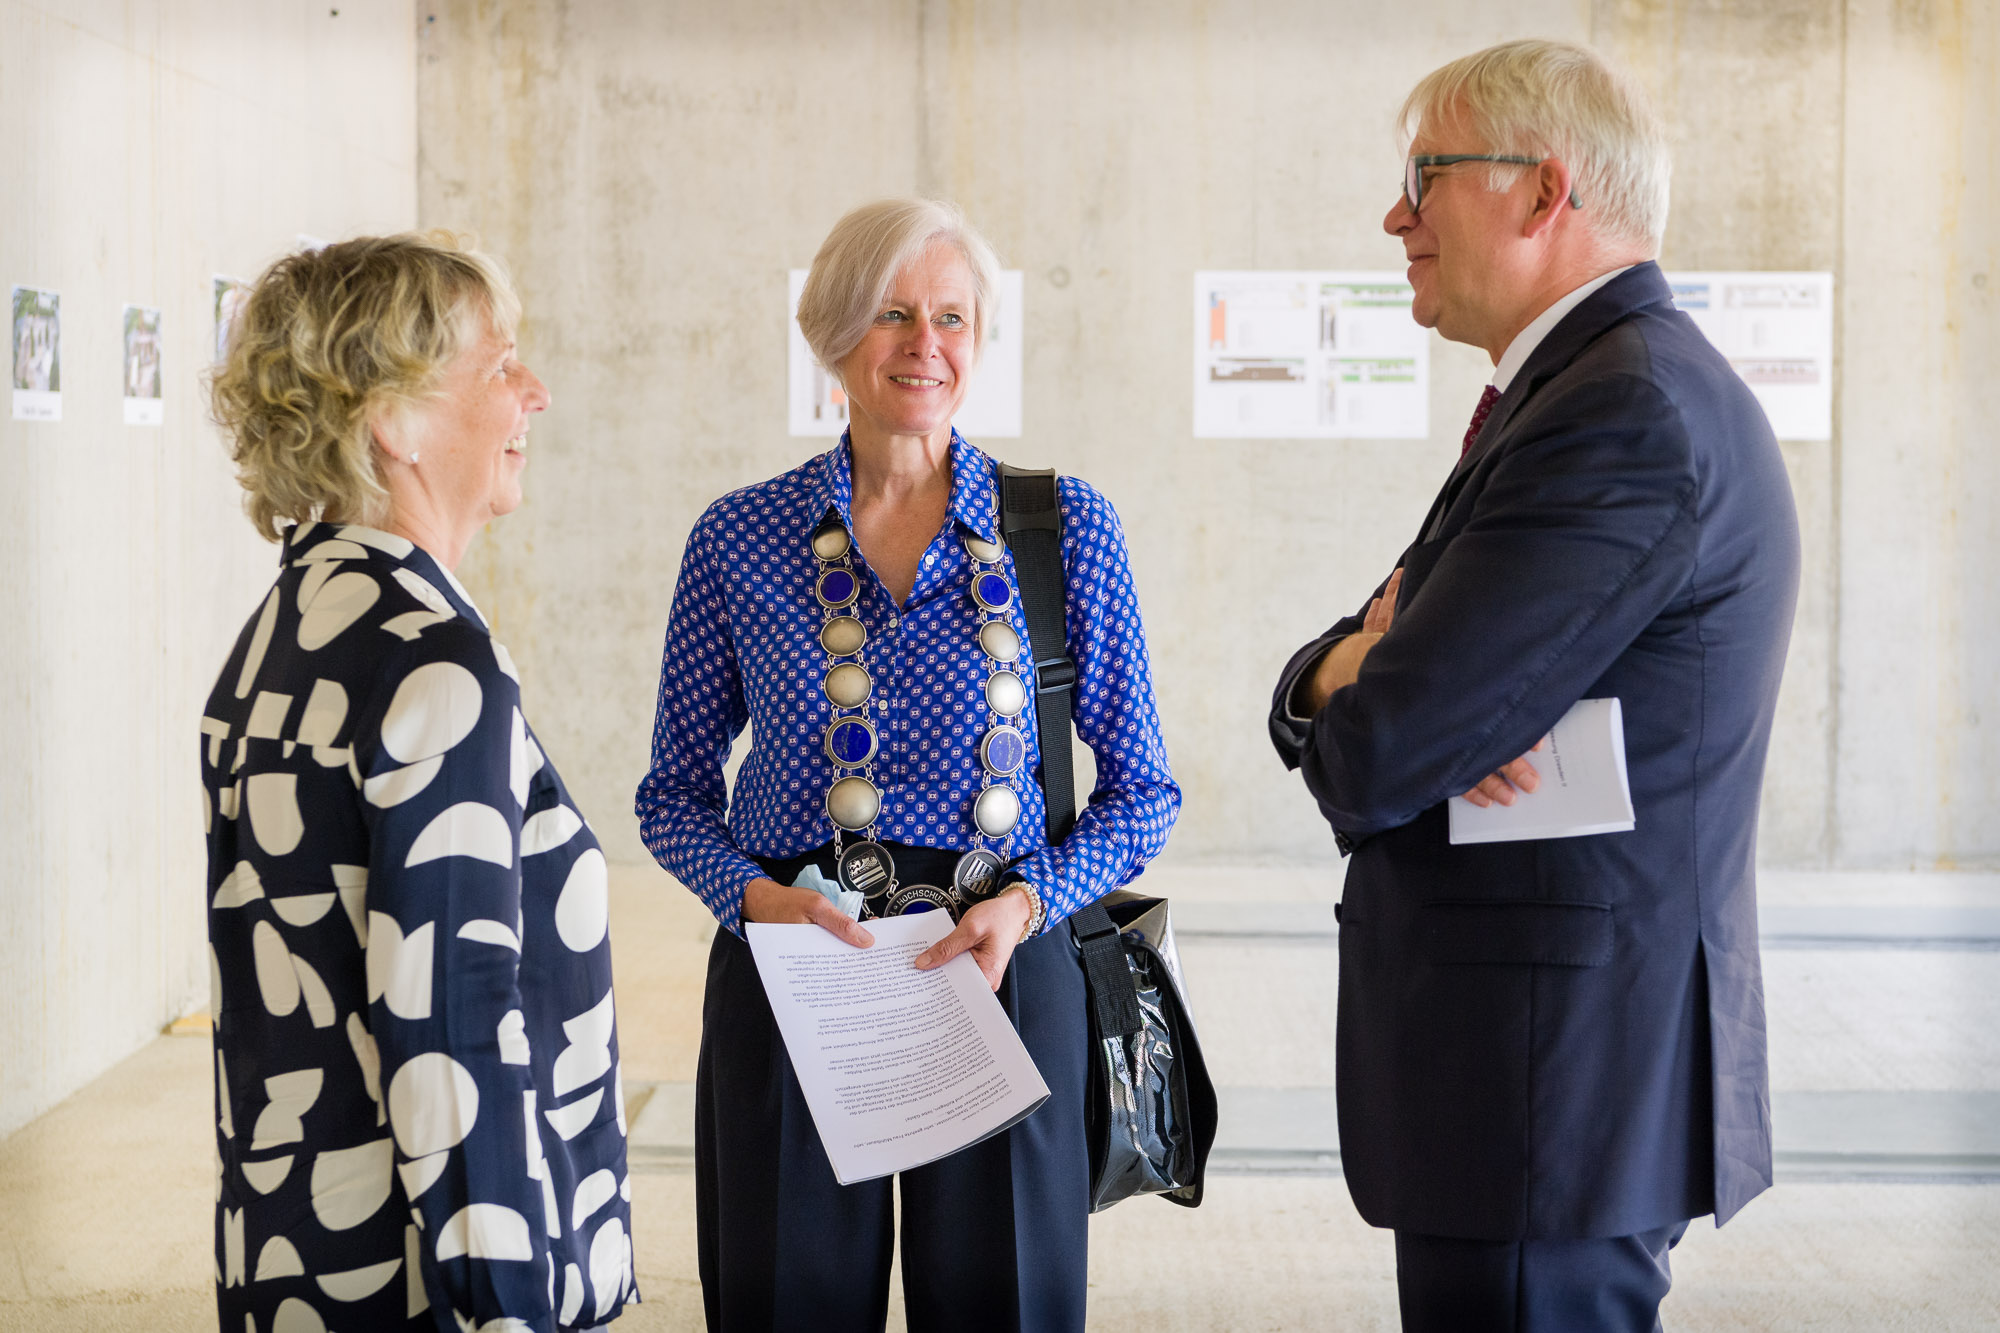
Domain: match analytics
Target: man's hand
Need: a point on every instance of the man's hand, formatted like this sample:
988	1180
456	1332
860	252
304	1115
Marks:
779	904
1500	786
988	931
1342	663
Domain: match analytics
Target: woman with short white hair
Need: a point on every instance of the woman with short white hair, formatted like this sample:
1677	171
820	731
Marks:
418	1113
862	615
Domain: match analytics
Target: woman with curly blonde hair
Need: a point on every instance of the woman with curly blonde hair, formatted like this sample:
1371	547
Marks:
418	1109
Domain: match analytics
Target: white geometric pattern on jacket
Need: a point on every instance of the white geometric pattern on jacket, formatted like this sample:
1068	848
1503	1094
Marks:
416	1057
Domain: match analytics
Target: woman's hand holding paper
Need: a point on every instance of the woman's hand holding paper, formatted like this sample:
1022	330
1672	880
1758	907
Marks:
988	931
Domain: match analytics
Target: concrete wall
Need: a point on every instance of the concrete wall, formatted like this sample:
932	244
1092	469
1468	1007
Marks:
652	169
1863	139
147	147
1917	754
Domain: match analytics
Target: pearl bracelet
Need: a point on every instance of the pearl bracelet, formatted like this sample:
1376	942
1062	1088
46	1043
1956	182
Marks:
1038	914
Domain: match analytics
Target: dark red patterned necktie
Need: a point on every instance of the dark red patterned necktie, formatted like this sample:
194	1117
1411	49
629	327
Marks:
1487	398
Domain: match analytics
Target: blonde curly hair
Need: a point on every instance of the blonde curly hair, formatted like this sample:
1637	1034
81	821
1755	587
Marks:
330	341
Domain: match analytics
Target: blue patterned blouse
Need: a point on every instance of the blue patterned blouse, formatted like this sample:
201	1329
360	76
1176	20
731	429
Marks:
419	1118
742	646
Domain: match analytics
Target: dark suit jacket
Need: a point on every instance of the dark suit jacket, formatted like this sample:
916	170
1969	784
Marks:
1565	1038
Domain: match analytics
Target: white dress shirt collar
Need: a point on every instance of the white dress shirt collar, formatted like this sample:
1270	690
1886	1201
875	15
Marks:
1528	339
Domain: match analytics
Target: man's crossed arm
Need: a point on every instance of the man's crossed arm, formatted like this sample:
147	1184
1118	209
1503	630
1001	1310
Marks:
1340	666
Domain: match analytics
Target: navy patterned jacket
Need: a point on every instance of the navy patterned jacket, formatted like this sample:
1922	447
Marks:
418	1112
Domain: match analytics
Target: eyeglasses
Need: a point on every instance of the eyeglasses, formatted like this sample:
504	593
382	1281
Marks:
1413	172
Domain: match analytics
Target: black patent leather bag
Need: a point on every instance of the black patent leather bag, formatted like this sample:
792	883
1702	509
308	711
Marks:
1150	1108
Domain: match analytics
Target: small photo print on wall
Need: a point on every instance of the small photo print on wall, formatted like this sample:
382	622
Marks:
37	355
143	404
230	294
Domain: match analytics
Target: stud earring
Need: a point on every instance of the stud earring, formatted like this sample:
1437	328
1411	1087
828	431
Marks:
413	458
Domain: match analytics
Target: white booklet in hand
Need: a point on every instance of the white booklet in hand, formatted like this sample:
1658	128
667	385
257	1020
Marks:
900	1067
1583	784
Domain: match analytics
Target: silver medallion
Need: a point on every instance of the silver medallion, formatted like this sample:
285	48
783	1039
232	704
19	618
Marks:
921	898
996	811
831	542
982	550
843	636
1000	641
852	803
867	869
977	875
848	686
1005	694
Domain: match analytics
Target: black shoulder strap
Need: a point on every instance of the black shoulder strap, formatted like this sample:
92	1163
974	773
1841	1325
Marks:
1114	998
1031	523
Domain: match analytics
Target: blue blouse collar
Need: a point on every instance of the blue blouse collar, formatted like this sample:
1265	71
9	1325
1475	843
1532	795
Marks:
973	500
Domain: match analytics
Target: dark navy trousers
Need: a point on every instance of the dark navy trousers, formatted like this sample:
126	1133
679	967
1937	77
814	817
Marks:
1609	1285
994	1237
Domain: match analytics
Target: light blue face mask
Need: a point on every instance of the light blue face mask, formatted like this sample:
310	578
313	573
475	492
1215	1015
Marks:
847	900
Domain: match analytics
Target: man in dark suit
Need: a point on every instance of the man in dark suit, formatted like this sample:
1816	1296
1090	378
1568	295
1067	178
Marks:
1551	1053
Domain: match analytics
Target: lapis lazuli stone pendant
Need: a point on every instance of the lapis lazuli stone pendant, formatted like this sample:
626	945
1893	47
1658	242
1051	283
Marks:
850	742
837	588
1003	751
991	591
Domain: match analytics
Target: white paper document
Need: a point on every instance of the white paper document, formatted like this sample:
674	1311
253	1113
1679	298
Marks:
1777	331
900	1067
1583	784
1303	355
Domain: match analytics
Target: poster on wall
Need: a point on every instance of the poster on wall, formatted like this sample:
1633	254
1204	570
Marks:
229	296
992	406
1308	354
143	404
37	355
1777	331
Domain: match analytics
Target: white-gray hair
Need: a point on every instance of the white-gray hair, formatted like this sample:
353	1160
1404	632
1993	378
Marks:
1556	99
855	267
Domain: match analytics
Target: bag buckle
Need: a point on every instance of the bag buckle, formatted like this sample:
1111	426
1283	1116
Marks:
1055	673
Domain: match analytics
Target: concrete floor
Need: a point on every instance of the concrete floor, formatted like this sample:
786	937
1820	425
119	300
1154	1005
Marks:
105	1202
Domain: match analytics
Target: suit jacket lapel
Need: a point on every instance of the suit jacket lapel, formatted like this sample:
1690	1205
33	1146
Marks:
1609	305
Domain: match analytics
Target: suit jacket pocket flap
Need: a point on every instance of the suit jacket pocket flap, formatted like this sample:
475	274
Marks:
1553	934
